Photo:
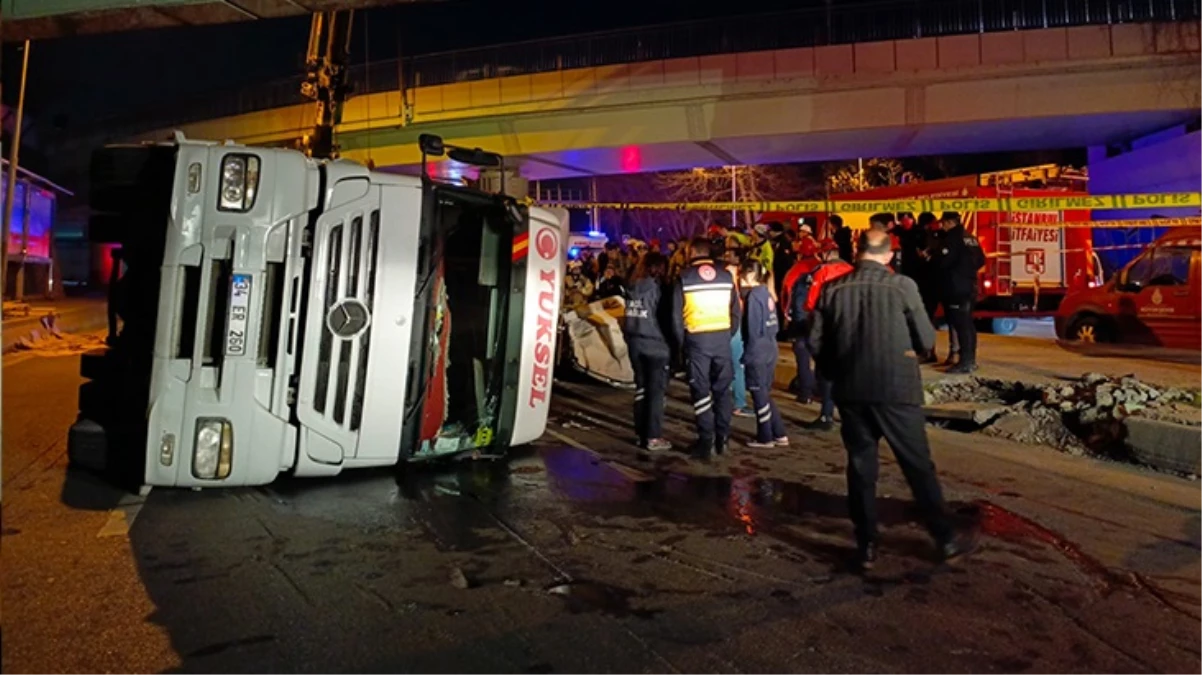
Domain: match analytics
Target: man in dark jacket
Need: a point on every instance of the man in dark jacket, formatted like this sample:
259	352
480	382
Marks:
706	314
842	236
912	240
867	330
928	276
958	262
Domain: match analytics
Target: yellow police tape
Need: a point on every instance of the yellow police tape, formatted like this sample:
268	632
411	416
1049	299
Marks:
1114	224
963	205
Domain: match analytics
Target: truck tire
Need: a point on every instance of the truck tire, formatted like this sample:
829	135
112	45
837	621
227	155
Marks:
1089	328
95	364
1004	325
87	445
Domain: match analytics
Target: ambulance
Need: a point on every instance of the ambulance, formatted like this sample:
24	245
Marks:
271	314
1154	300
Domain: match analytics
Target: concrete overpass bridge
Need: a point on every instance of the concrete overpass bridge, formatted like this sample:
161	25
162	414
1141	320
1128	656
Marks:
987	84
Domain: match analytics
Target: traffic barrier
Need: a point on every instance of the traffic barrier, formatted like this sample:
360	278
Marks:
963	205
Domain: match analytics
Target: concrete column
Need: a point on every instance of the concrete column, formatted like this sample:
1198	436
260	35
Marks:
515	185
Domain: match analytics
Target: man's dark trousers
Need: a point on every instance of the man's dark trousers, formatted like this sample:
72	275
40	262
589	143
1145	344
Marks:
806	383
711	371
650	364
959	321
904	427
769	425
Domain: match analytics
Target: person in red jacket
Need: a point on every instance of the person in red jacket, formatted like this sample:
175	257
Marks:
794	291
832	267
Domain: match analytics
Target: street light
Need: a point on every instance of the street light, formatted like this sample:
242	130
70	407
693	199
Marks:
12	183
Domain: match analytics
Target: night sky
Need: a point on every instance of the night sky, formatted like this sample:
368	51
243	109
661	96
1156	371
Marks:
75	78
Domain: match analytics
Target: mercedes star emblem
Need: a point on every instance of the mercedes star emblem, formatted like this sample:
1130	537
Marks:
348	318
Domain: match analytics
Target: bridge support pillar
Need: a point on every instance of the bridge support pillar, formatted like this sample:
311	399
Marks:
514	184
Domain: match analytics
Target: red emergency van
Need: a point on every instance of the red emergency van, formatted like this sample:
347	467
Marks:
1154	300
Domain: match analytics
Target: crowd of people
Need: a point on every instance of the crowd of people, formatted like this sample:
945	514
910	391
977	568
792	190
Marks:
937	253
859	315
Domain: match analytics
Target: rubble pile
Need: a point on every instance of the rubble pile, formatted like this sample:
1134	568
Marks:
1036	424
971	389
49	340
1076	416
1098	398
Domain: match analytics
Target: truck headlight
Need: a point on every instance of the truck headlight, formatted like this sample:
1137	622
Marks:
239	182
213	452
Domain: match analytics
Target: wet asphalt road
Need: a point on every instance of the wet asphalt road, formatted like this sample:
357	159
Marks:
582	554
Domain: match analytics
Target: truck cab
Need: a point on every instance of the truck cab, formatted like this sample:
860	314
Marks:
273	313
1154	300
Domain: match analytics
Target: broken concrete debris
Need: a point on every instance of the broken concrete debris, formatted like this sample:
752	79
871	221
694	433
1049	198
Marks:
1079	417
460	580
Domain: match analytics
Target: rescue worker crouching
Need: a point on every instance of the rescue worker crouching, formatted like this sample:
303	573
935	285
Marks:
759	327
643	328
705	314
578	289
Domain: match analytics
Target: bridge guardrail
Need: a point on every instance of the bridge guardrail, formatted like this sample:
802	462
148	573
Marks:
810	27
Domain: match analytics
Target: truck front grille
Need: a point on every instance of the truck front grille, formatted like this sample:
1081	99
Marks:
345	342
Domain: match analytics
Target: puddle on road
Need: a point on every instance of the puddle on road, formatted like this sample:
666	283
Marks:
747	503
457	503
460	505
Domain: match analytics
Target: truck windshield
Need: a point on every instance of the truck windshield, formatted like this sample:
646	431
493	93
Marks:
461	316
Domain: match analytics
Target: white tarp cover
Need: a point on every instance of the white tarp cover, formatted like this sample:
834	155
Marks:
598	348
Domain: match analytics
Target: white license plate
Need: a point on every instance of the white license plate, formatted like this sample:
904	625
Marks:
235	335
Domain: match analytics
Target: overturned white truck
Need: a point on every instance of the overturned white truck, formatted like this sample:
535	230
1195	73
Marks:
272	313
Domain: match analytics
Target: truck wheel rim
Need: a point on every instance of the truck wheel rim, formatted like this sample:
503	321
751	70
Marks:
1086	334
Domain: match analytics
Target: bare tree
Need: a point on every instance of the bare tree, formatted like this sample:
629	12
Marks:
750	184
645	224
876	172
753	183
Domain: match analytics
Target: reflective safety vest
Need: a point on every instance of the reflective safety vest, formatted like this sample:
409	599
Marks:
707	290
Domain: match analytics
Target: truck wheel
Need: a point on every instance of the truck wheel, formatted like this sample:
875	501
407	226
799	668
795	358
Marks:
1005	325
1088	329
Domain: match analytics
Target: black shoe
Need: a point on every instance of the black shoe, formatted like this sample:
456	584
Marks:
703	450
961	369
866	556
720	447
823	423
952	359
960	545
929	359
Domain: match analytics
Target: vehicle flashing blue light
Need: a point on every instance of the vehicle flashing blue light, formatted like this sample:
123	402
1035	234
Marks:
594	233
573	252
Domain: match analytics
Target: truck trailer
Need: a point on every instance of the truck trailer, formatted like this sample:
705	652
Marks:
272	313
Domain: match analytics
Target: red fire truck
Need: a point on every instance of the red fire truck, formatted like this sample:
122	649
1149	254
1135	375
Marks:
1029	269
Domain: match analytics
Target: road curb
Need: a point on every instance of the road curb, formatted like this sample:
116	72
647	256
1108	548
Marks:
1165	445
